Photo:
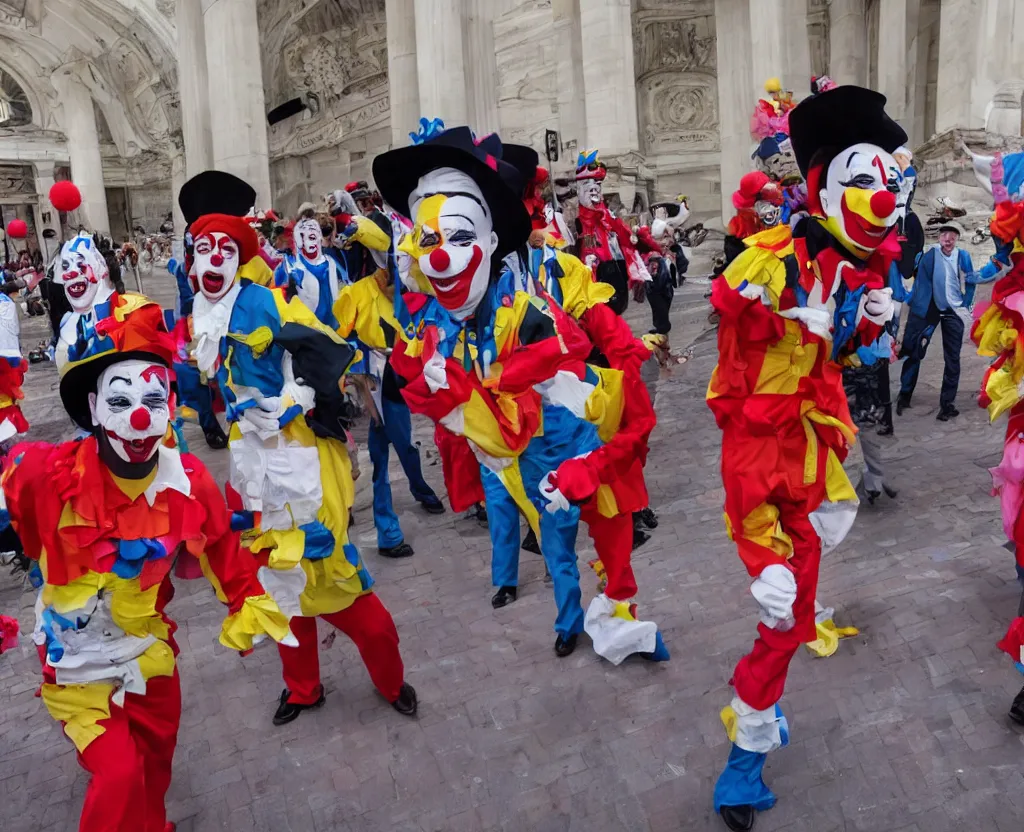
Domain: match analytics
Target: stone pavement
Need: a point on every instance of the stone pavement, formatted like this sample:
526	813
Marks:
904	730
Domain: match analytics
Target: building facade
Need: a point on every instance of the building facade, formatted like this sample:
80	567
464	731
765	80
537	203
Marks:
130	97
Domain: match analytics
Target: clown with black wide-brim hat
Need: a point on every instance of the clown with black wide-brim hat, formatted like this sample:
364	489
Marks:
785	435
492	364
105	517
281	371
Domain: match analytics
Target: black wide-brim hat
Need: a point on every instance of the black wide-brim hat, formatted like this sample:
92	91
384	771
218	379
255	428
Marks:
838	118
397	173
215	192
524	159
82	378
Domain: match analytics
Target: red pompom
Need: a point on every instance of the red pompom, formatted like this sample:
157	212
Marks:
65	196
17	229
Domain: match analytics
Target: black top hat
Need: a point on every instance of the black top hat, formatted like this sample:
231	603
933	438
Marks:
215	192
838	118
524	159
398	172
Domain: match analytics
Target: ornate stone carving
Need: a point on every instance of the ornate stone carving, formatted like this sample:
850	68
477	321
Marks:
16	181
15	109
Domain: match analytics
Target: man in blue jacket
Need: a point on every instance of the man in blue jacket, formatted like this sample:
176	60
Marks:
942	296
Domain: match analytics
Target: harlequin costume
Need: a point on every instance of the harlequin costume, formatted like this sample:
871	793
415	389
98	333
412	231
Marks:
105	517
290	478
12	372
777	395
83	273
998	332
495	365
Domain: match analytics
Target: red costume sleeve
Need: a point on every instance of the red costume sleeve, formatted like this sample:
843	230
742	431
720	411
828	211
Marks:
234	566
646	243
612	336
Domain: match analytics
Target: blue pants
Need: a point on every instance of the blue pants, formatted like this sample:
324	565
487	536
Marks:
503	525
193	393
396	430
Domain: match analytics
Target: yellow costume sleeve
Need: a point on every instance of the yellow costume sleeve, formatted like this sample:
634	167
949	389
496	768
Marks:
579	289
359	309
370	234
296	312
257	271
760	267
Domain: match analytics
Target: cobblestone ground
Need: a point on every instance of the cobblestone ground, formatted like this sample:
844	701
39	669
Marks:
903	729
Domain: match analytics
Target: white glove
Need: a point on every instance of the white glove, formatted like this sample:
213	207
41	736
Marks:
435	374
818	321
591	261
775	592
556	499
878	305
754	291
264	416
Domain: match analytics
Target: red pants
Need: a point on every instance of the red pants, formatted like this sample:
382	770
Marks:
368	623
130	762
613	541
760	676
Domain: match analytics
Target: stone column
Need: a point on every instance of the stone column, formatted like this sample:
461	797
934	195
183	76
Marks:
482	79
892	58
608	76
572	106
439	61
959	33
735	94
84	150
238	112
848	42
783	49
193	87
46	215
403	83
179	175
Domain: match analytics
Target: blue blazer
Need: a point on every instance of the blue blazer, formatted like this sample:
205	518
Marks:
930	269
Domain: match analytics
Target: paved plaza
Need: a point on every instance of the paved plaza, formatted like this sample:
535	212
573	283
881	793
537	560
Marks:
903	730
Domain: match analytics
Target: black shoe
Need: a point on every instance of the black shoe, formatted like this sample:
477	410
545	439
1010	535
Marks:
902	403
886	429
504	596
647	517
288	711
640	537
407	703
530	543
738	818
402	550
216	439
872	496
948	412
565	646
1017	708
890	492
433	508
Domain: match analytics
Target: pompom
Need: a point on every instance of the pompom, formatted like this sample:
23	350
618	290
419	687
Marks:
17	229
65	196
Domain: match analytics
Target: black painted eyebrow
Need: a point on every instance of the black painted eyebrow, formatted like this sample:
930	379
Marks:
855	153
127	381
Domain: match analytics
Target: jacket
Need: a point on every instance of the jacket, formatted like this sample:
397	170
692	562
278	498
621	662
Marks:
930	269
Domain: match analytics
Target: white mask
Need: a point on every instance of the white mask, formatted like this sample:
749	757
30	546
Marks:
216	262
590	194
452	241
770	214
309	239
83	273
859	207
132	406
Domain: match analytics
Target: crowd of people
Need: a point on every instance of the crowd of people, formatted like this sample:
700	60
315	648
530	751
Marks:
454	289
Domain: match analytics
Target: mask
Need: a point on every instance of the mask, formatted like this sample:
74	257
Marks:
131	410
452	240
768	213
590	194
83	273
216	264
859	206
309	239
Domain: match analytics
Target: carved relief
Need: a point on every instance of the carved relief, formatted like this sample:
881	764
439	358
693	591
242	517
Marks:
15	109
16	181
677	93
818	35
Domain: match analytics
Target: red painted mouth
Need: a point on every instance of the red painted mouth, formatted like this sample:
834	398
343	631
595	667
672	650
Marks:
137	450
864	233
77	289
212	282
453	291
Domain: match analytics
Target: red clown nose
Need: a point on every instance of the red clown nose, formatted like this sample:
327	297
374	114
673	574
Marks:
883	203
439	260
140	418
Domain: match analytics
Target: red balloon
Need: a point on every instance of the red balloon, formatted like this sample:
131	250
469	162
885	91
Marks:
17	229
65	196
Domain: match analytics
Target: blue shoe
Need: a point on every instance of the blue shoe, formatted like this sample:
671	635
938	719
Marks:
660	652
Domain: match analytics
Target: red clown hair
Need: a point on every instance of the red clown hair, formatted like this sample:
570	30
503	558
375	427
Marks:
237	228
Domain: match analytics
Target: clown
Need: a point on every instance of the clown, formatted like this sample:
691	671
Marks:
784	435
83	273
290	477
107	645
12	372
309	272
491	364
998	332
605	241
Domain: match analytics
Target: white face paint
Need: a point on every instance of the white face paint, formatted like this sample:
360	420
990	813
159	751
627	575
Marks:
83	273
452	241
770	214
859	207
309	239
590	194
132	406
216	259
